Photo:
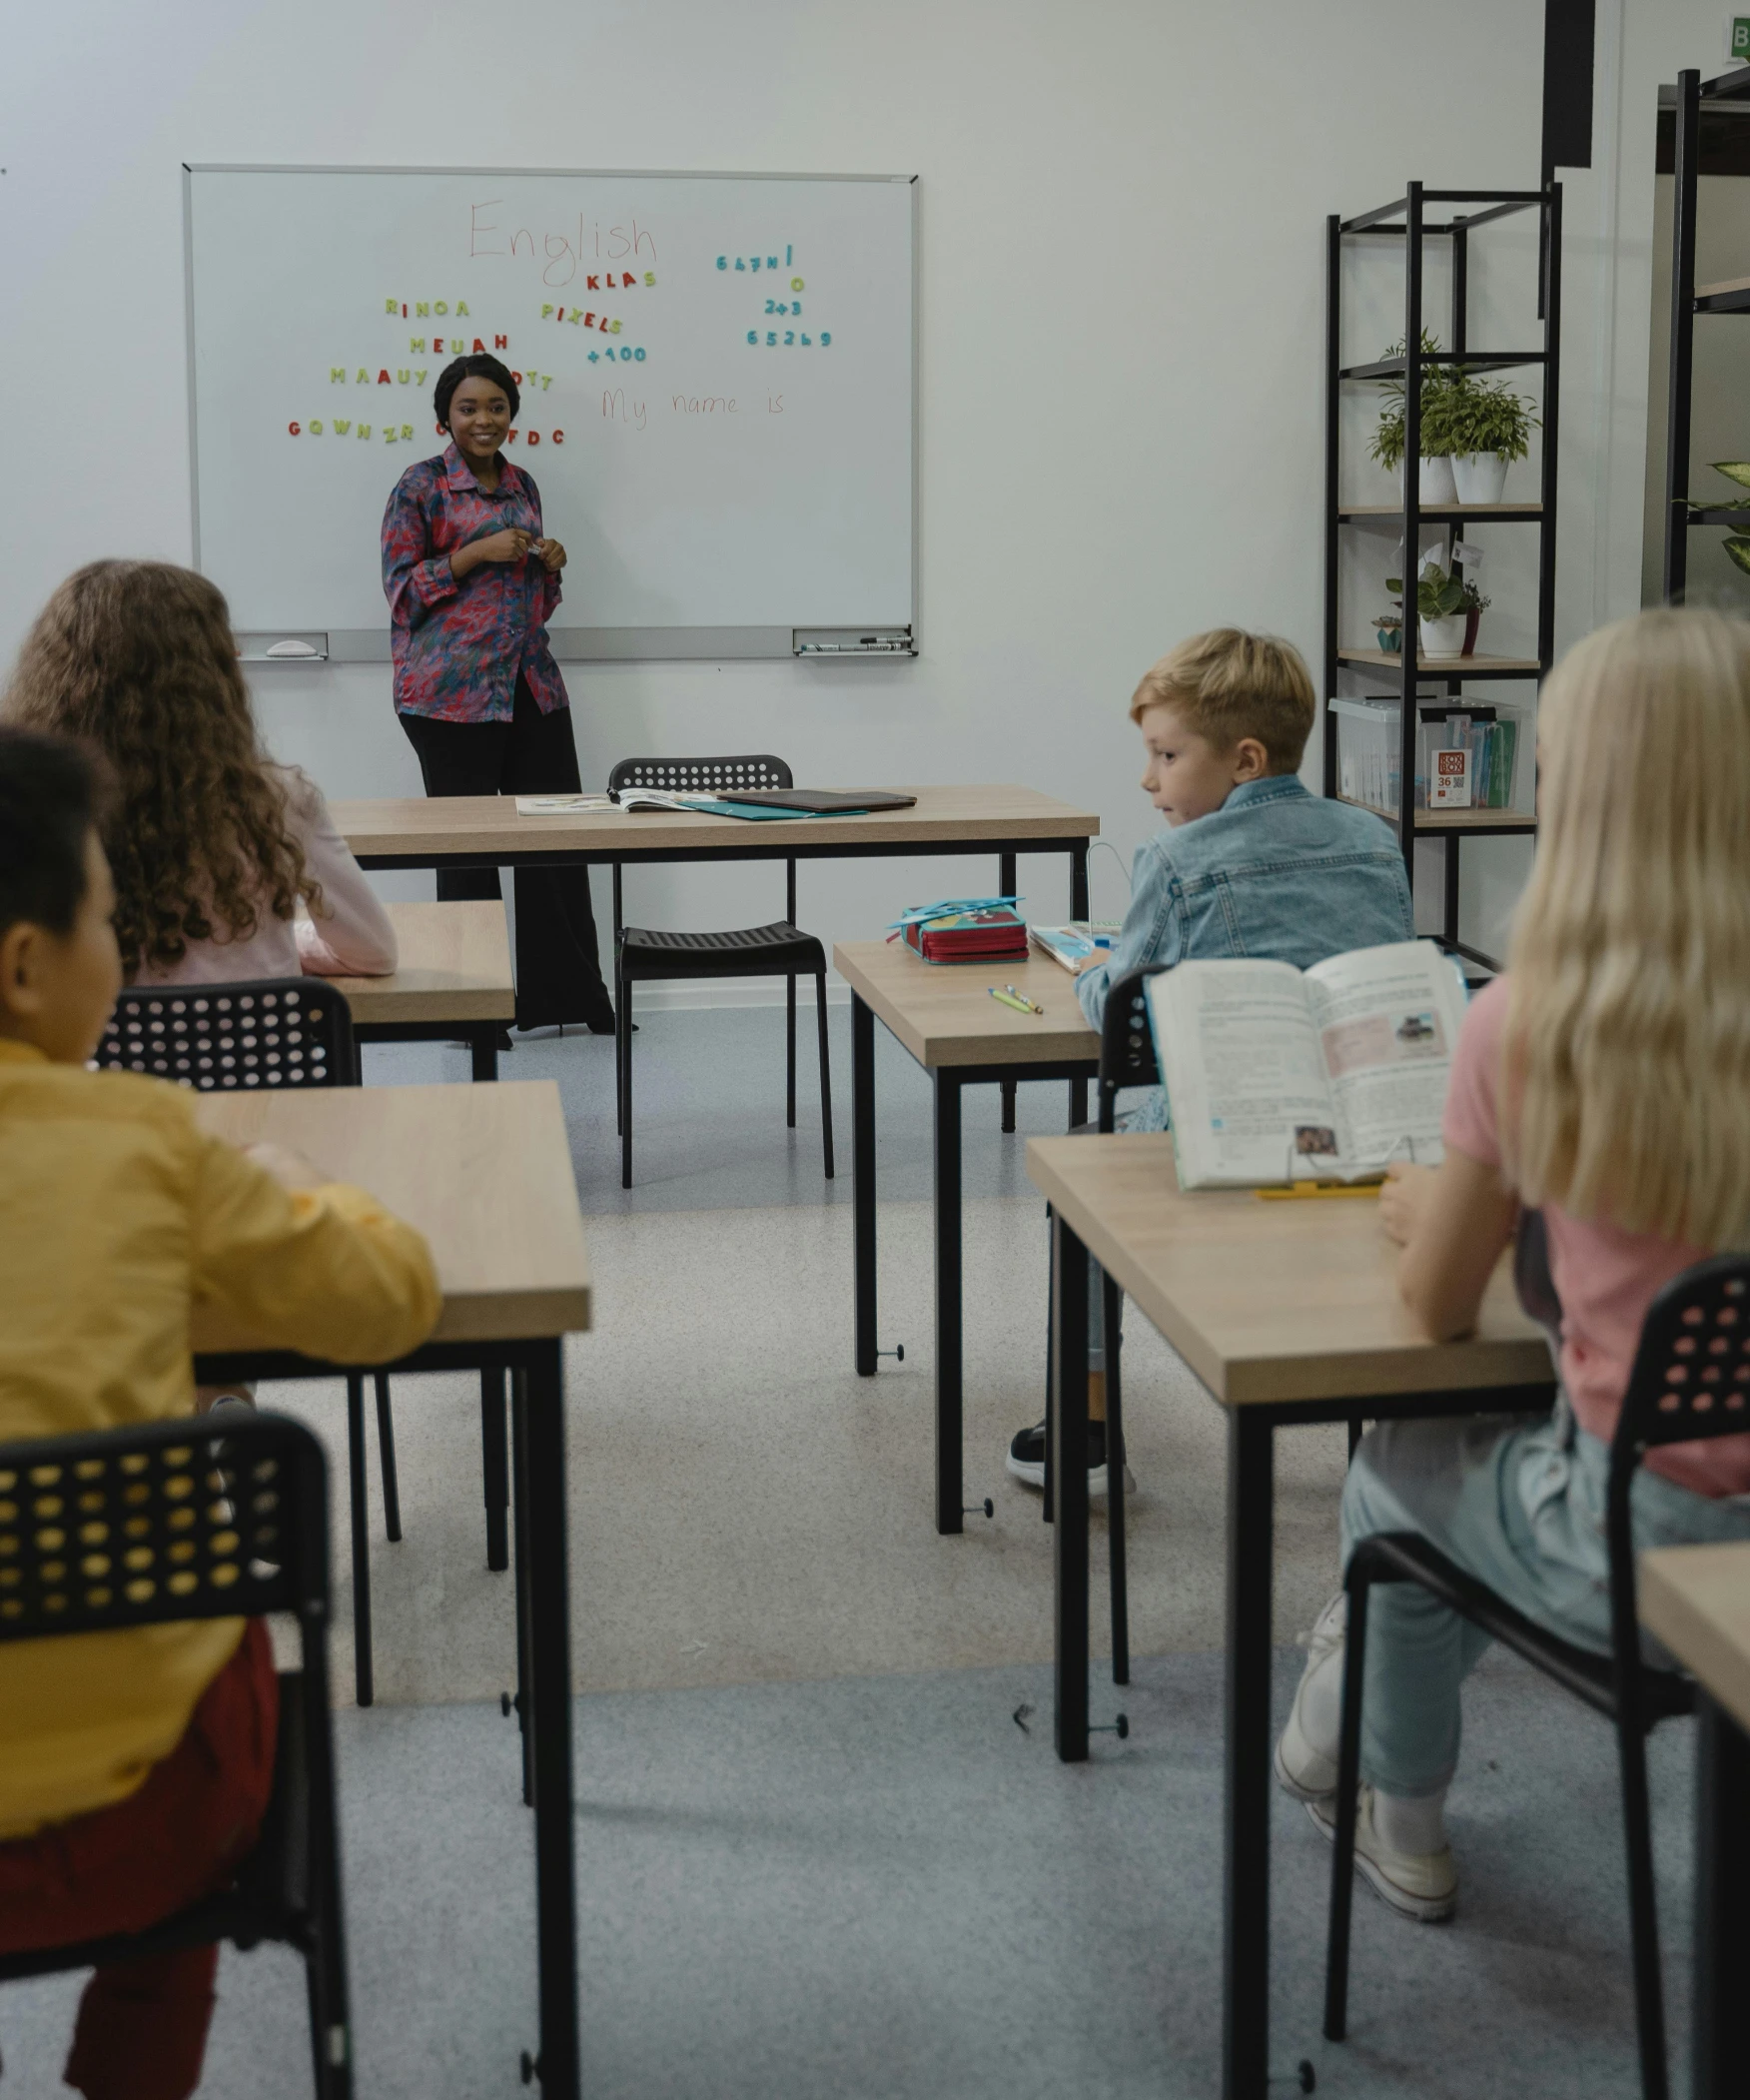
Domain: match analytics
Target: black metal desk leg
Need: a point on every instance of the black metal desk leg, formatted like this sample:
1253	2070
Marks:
863	1180
520	1494
1069	1432
949	1434
547	1708
483	1043
1006	886
495	1469
1245	1809
1722	1906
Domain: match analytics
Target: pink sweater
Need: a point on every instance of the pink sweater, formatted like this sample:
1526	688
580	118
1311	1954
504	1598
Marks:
1605	1277
353	938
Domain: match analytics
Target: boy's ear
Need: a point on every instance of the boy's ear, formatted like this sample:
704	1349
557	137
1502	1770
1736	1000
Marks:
20	947
1251	760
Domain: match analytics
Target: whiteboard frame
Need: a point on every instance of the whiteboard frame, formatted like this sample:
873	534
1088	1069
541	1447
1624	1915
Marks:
569	645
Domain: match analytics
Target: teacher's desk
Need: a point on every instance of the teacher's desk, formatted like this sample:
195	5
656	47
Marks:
485	831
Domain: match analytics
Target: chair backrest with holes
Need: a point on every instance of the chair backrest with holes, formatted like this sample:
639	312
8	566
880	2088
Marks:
270	1033
168	1520
1127	1047
1690	1382
702	777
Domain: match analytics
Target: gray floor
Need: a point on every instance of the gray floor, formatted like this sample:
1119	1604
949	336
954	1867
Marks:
709	1110
884	1887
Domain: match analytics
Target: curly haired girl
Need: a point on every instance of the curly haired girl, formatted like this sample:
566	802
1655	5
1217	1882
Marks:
212	843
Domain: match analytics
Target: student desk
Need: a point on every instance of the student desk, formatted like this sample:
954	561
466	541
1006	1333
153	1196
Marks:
944	1015
1696	1598
1288	1312
452	980
486	1174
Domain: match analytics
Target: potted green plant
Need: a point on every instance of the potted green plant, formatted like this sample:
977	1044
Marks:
1388	629
1435	482
1441	612
1488	426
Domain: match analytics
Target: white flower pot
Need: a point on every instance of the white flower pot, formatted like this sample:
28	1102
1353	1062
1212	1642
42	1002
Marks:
1443	638
1435	481
1434	484
1479	476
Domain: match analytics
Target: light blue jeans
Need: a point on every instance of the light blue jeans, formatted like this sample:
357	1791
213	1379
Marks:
1518	1502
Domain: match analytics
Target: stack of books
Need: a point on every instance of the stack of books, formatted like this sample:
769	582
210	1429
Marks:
965	930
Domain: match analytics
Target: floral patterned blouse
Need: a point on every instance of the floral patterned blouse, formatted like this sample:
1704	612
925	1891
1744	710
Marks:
460	648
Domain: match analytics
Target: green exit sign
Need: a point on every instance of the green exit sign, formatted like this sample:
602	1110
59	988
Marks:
1738	44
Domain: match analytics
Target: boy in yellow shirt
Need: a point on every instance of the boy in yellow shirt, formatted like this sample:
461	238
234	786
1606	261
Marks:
135	1767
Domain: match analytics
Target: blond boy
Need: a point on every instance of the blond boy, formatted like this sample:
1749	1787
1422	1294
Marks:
1249	864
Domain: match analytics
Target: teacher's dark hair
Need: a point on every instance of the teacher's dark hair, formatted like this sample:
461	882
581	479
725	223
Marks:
482	365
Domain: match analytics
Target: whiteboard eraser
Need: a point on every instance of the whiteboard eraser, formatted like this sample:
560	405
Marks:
283	649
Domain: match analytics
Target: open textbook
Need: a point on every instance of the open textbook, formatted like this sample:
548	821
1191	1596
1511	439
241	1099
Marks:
1275	1074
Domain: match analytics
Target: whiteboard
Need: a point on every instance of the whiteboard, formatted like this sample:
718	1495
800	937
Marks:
717	381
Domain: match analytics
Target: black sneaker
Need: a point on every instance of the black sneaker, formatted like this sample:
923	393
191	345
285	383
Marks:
1026	1459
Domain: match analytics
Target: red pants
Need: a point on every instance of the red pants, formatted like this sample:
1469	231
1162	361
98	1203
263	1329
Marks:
141	2028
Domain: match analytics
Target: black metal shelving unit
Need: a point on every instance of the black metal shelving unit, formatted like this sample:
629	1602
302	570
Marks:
1414	219
1687	300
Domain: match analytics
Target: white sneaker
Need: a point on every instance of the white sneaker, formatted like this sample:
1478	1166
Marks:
1418	1885
1301	1769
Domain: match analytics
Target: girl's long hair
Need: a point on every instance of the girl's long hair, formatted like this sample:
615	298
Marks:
1626	1064
137	657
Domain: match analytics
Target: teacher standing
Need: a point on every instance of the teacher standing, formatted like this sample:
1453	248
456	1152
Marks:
471	581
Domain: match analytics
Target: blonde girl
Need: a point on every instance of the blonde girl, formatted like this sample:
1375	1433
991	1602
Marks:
1605	1078
213	846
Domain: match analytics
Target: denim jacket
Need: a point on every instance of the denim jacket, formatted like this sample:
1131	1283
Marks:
1276	873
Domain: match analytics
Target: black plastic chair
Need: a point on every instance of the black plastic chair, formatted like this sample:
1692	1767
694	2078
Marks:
781	949
1691	1380
266	1034
200	1523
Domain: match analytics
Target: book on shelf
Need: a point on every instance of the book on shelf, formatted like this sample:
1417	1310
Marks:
1076	944
1370	753
1278	1075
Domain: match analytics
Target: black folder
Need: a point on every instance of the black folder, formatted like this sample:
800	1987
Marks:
816	801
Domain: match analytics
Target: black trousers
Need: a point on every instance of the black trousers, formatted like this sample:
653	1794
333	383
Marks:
558	958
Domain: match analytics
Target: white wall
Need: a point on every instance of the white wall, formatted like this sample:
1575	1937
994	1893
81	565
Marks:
1122	219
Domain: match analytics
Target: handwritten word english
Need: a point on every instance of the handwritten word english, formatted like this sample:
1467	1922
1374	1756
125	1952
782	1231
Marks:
564	252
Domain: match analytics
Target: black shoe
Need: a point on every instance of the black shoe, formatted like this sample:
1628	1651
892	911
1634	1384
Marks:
1026	1459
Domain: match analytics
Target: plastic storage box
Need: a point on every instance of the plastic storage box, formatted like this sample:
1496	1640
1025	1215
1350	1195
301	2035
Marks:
1368	752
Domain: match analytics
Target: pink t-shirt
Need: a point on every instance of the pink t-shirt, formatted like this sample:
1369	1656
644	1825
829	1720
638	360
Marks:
1604	1277
353	938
